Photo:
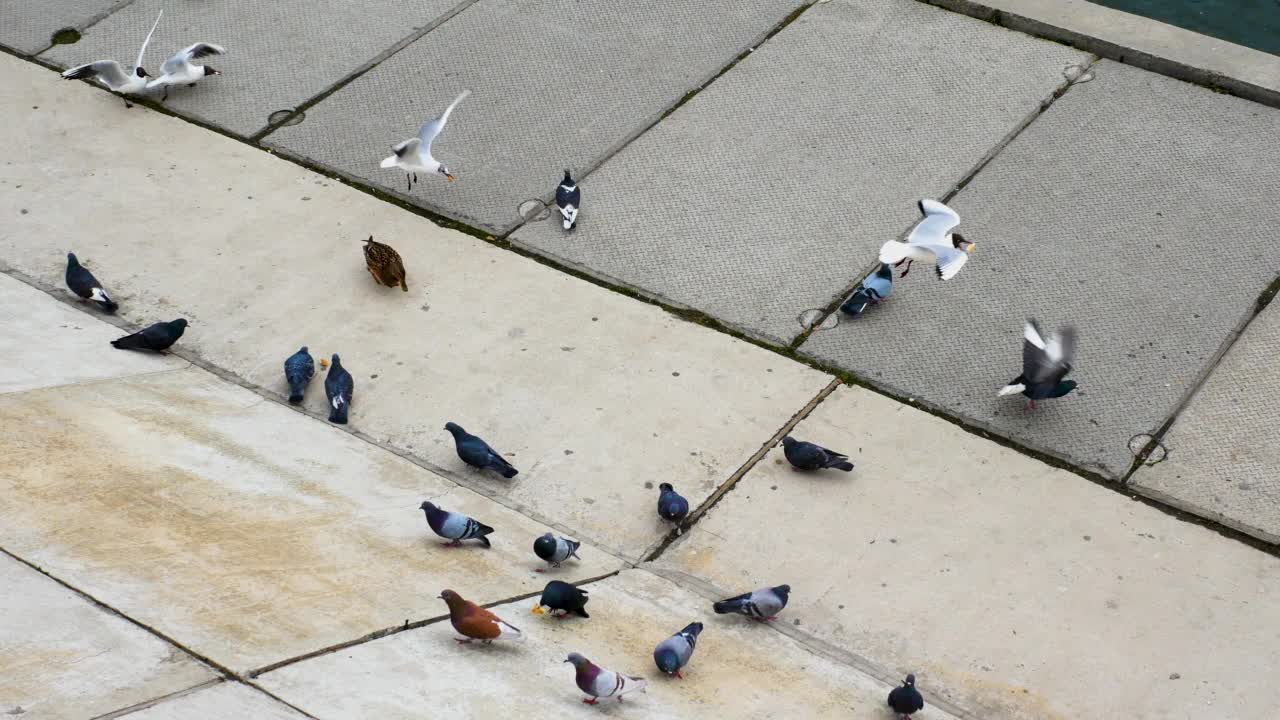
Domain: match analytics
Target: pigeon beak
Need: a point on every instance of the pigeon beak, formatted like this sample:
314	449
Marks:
448	177
537	610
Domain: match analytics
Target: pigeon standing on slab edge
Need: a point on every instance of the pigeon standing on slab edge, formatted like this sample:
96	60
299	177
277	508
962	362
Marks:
760	605
1044	365
158	338
339	386
875	288
114	77
82	282
672	506
414	155
455	527
299	368
601	683
477	453
675	652
569	200
906	700
931	241
808	456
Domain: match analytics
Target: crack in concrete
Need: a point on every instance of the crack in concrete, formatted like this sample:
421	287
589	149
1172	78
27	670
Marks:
136	707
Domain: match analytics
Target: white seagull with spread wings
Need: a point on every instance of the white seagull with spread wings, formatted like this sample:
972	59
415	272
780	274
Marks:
110	74
931	241
414	155
179	70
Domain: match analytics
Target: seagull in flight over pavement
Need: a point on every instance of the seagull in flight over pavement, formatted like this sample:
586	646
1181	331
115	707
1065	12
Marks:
931	241
110	74
414	155
179	69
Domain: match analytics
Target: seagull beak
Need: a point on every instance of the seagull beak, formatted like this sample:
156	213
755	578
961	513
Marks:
448	177
971	248
537	610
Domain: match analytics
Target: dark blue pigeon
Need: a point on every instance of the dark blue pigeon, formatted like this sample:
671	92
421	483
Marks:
671	506
1045	362
477	453
455	527
675	652
807	456
875	288
906	700
298	371
763	604
560	599
83	283
159	337
339	386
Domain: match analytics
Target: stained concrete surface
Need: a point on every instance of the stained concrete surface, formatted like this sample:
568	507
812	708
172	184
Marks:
62	657
279	53
1131	210
768	192
1220	459
556	84
737	664
1013	588
224	700
594	397
46	343
28	26
248	532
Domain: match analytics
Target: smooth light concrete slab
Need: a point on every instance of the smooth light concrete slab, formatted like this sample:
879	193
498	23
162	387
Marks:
28	26
224	700
247	532
279	53
62	657
46	343
1221	459
739	669
1130	209
1015	589
557	84
756	200
1138	41
595	397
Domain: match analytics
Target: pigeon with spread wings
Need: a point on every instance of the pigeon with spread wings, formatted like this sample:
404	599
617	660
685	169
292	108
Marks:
414	155
931	241
1044	365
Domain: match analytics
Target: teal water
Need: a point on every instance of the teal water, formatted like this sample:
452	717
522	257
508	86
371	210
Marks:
1253	23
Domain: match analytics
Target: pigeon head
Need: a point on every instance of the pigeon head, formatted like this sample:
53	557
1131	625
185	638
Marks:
303	349
72	260
451	598
788	441
667	660
1063	388
427	506
578	661
568	179
666	487
209	70
448	175
454	428
335	361
910	681
958	241
545	546
181	323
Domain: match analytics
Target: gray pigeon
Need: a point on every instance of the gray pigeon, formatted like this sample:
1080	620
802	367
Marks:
760	605
338	387
675	652
555	550
455	527
477	453
159	337
83	283
299	368
807	456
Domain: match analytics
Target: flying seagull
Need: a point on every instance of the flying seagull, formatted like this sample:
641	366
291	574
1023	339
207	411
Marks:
110	74
1044	365
414	155
931	241
179	70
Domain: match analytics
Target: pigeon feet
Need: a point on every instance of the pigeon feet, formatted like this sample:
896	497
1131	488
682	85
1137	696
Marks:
1031	405
542	570
590	701
453	544
771	618
678	675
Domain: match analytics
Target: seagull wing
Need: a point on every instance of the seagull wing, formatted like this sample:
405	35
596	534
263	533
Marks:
950	260
432	128
142	53
186	55
407	148
939	220
108	71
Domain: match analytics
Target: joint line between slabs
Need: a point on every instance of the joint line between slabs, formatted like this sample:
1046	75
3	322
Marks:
128	710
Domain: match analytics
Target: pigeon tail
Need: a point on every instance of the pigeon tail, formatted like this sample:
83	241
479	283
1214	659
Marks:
108	305
581	612
295	395
504	468
726	607
844	465
338	414
129	342
859	302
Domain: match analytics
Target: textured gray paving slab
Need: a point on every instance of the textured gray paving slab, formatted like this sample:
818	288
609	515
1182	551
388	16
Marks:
28	26
739	669
756	200
1222	461
557	83
1010	587
279	53
63	657
224	700
1130	209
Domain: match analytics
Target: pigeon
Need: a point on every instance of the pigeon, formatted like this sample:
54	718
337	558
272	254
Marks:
671	505
455	527
159	337
385	264
414	155
475	623
299	368
931	241
83	283
760	605
1044	365
599	682
568	199
560	599
477	453
874	290
114	77
338	387
555	550
179	70
807	456
906	700
675	652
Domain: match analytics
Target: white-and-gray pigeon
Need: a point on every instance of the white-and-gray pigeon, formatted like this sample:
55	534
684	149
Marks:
931	241
414	155
760	605
555	550
874	289
455	527
601	683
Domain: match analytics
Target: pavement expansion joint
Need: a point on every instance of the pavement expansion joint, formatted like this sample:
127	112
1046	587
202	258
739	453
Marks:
157	700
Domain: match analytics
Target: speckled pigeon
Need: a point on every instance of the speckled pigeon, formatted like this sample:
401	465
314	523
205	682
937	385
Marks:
763	604
338	387
807	456
906	700
455	527
675	652
299	368
601	683
158	337
84	284
477	453
555	550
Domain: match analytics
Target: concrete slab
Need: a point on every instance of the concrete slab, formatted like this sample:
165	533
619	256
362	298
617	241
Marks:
556	85
769	179
46	343
739	669
28	26
1128	179
247	532
994	575
220	701
596	398
279	54
1221	460
62	657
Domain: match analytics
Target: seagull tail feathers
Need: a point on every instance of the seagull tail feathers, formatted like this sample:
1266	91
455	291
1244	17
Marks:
389	162
894	252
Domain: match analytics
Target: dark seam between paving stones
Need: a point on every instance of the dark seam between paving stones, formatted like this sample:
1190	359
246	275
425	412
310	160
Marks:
121	712
93	20
277	698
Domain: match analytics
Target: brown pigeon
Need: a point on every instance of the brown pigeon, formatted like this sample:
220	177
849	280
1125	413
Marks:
476	623
385	264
